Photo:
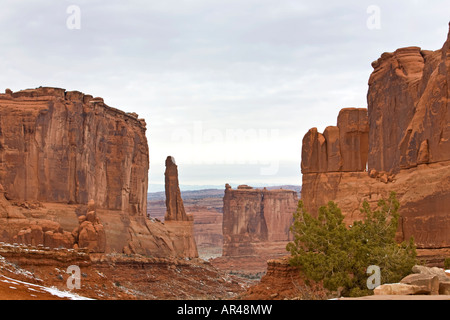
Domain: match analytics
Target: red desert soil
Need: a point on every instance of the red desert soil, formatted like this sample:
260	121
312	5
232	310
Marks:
11	289
111	277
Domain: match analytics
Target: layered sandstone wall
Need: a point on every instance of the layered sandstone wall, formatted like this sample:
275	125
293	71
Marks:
64	152
257	221
408	104
68	147
404	137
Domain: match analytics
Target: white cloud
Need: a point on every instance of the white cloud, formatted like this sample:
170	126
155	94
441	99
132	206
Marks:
284	65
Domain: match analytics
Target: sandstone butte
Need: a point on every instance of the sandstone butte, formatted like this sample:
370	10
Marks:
256	225
400	143
74	174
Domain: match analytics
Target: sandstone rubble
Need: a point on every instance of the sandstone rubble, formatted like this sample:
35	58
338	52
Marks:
283	281
423	280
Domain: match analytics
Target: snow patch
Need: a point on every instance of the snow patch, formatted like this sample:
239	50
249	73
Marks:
52	290
64	294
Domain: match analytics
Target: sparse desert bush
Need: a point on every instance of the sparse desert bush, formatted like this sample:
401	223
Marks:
447	263
326	250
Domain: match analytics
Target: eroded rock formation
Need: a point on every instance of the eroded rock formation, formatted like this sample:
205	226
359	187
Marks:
68	147
257	221
58	150
90	233
174	203
206	208
285	282
405	139
176	220
408	108
341	148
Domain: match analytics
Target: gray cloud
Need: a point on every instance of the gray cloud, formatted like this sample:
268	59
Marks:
261	64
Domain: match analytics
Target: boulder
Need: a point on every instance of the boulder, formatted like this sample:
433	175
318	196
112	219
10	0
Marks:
398	289
45	233
428	282
443	277
423	280
58	239
90	233
435	271
444	288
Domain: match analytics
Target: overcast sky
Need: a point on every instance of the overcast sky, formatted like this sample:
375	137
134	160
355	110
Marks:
227	87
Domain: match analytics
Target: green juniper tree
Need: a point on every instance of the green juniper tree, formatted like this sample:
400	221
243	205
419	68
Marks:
326	250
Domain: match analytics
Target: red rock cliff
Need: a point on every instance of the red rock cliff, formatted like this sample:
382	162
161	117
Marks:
61	150
405	140
257	221
69	147
408	103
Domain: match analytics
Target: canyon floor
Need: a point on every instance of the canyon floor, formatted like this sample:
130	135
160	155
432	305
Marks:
206	206
37	273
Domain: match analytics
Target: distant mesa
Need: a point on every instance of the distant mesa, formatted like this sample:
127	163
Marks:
256	227
257	221
244	187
